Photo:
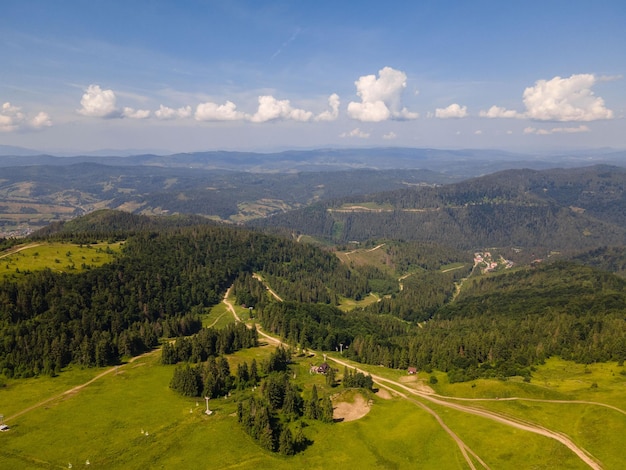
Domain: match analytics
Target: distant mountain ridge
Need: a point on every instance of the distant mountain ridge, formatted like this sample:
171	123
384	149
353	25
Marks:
465	163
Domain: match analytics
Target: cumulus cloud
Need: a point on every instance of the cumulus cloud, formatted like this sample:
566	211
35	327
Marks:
559	99
452	111
333	113
390	136
271	109
380	97
13	119
97	102
166	113
565	99
41	120
213	112
135	113
498	112
358	133
557	130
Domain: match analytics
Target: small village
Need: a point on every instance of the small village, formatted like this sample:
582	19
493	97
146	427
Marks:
488	263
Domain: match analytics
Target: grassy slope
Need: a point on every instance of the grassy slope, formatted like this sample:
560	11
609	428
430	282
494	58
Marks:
103	422
63	257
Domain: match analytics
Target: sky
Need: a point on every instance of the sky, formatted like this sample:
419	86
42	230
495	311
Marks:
192	75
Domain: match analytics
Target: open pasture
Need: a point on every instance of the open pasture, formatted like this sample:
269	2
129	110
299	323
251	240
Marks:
129	418
59	257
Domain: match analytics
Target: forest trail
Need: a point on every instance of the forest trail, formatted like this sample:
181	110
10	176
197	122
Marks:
269	289
231	308
230	305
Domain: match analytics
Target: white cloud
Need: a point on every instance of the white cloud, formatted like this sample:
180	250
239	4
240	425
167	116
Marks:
557	130
380	97
166	113
213	112
390	136
333	113
478	132
565	99
559	99
452	111
98	103
358	133
271	109
135	113
498	112
13	119
41	120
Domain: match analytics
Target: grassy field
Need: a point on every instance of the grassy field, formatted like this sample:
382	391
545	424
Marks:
60	257
350	304
129	418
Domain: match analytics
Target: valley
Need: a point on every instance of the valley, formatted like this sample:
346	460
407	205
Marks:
476	323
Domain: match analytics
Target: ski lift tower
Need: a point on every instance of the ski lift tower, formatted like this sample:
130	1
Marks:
207	411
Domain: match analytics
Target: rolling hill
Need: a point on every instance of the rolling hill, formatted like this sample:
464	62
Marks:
540	211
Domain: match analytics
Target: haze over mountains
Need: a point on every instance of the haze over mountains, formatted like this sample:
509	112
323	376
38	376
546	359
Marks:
463	162
240	186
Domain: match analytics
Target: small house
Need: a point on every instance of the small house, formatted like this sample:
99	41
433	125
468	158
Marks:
412	370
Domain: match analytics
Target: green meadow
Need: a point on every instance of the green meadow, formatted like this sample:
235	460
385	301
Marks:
129	418
59	257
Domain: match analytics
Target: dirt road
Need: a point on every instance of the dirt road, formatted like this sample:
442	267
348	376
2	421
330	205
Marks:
78	388
12	251
516	423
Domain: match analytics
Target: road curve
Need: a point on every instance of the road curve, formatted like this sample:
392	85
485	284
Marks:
519	424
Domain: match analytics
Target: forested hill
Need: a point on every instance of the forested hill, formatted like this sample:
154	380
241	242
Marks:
558	209
157	286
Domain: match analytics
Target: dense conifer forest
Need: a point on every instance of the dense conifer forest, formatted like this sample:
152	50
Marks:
156	288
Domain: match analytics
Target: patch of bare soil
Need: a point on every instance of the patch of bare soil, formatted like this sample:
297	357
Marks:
384	394
415	383
345	411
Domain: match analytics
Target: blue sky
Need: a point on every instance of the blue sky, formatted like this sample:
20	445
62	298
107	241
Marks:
266	75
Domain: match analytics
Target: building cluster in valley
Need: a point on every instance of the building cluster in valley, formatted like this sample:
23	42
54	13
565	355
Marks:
489	263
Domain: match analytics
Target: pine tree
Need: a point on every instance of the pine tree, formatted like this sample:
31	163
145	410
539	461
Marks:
326	410
254	373
285	442
312	407
330	377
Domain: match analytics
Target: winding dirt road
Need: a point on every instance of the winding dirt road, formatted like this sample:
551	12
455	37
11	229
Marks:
516	423
441	400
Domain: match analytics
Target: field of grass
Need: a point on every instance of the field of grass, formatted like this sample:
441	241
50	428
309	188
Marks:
148	426
365	206
350	304
129	418
60	257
